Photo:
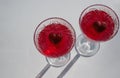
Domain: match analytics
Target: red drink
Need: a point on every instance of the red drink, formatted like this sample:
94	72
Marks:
97	25
55	40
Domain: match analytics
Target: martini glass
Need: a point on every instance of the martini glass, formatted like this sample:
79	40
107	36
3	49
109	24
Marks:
54	38
98	23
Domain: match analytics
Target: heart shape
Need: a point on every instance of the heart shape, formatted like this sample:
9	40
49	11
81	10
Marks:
99	26
55	38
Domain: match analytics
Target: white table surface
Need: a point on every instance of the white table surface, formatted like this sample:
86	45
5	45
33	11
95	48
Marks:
20	59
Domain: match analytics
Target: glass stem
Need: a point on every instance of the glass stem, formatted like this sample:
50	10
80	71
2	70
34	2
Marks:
43	71
69	66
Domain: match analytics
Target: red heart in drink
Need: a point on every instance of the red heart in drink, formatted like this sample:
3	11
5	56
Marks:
55	38
99	26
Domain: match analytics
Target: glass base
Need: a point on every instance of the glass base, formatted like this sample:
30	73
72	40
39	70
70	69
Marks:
86	47
60	61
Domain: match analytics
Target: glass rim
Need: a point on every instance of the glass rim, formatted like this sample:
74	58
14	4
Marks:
111	10
58	18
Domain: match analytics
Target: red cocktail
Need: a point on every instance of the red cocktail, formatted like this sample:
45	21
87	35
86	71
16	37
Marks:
54	38
98	23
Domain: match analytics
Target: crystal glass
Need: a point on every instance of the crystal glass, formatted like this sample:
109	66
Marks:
54	38
98	23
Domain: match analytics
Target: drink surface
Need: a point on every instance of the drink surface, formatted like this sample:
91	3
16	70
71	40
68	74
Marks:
97	25
55	40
